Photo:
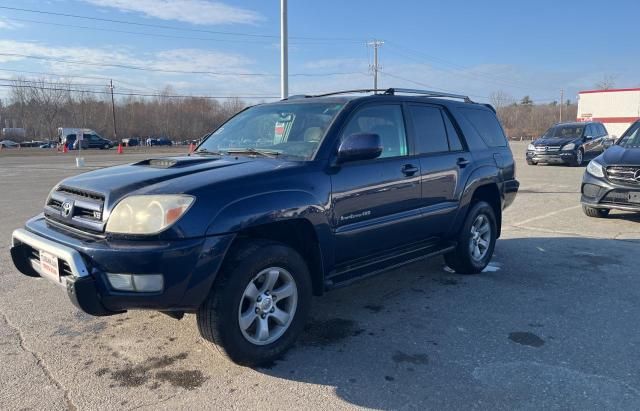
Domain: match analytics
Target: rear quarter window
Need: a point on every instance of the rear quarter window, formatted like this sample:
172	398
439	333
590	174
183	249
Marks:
486	125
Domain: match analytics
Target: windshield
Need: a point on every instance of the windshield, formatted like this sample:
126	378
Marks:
631	138
567	131
283	129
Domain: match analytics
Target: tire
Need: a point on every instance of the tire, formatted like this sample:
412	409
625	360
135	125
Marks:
220	316
579	158
531	162
461	259
595	212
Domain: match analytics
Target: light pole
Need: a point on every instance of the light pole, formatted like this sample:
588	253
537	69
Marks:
284	51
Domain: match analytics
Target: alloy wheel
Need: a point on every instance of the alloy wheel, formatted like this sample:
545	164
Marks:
268	306
480	237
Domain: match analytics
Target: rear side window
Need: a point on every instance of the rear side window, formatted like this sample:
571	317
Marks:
431	135
454	138
486	125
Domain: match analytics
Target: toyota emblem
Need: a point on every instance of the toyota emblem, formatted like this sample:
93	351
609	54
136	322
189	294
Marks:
67	208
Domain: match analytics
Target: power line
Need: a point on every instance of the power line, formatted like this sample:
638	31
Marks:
132	94
140	68
170	36
227	33
475	76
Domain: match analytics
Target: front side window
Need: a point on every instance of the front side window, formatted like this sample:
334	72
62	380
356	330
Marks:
384	120
293	130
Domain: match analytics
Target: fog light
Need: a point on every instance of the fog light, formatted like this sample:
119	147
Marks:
591	190
148	283
144	283
123	282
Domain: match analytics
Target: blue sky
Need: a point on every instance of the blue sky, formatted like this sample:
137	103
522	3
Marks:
476	48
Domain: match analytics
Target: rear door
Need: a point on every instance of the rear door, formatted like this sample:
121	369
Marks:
443	165
376	202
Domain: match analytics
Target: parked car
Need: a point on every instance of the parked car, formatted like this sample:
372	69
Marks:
90	139
569	143
159	141
130	142
612	180
284	201
9	144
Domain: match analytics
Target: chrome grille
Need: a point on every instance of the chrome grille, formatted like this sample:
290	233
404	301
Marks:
624	174
86	208
547	149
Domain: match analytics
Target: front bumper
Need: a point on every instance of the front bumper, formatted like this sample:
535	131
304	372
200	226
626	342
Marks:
556	157
601	193
188	267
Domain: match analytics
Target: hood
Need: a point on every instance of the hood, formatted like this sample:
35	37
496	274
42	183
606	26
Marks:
159	175
620	156
555	141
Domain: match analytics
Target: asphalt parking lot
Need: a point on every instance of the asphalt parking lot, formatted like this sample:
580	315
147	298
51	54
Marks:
552	323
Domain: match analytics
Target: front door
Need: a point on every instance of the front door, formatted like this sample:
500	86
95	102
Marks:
376	202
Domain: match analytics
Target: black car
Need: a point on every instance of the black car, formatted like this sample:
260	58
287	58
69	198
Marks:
612	180
284	201
568	143
89	140
130	142
159	141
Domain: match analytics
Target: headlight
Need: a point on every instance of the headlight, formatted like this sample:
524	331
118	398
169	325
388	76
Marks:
595	169
147	214
569	146
531	147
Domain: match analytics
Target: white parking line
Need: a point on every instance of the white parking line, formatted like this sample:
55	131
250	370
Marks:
543	216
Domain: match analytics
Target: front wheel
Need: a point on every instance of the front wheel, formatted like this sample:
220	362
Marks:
476	241
259	304
579	158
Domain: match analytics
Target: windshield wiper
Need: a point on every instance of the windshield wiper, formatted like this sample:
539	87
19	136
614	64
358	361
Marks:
251	150
205	151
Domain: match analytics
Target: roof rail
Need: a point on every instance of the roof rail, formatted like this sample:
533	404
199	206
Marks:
390	92
361	90
427	93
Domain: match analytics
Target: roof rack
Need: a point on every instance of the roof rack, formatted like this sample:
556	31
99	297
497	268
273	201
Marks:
388	92
427	93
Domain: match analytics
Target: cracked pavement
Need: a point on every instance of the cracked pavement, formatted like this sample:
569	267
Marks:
551	324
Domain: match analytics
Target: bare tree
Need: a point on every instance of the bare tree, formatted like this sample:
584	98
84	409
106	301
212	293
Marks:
607	83
499	99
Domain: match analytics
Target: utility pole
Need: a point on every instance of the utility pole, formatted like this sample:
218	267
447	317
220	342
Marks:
561	102
113	111
284	51
375	67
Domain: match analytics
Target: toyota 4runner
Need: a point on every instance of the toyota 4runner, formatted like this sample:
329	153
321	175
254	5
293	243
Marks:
284	201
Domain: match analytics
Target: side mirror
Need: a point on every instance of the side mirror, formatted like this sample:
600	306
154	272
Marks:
587	138
359	146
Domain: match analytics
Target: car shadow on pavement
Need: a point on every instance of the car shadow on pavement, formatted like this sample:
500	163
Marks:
551	319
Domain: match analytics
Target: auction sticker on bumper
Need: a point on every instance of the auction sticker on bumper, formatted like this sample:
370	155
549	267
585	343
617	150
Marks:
49	264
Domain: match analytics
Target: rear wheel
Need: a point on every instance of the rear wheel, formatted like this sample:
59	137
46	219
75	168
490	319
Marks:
476	241
259	304
595	212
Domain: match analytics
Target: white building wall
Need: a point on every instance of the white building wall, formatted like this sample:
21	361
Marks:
617	109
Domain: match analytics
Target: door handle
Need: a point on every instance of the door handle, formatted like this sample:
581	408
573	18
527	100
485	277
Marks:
409	169
462	162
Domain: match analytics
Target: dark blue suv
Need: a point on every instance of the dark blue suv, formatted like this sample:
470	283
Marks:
284	201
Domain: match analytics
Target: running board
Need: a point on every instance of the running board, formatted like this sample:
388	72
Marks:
352	273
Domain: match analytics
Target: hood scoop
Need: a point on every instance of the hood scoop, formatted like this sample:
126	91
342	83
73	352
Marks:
173	162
